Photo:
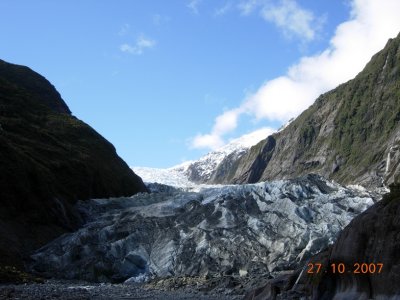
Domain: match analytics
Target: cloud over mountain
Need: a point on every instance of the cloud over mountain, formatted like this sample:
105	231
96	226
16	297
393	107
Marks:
371	24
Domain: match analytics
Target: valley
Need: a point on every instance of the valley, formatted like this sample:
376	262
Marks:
243	221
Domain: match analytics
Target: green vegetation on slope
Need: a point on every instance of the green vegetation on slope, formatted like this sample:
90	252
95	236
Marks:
49	160
345	135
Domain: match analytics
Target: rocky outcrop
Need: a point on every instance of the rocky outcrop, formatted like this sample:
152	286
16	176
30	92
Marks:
223	171
49	160
212	167
222	230
350	134
371	239
216	164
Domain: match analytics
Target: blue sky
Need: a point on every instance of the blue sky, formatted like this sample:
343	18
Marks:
166	81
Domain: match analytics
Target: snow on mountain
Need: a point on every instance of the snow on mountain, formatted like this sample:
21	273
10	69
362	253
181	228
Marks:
201	170
171	176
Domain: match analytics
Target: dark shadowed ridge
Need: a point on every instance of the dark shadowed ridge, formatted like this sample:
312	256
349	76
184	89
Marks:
48	160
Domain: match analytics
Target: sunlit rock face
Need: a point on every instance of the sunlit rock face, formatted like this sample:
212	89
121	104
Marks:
243	229
350	134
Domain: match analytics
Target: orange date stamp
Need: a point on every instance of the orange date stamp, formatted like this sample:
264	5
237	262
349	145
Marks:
341	268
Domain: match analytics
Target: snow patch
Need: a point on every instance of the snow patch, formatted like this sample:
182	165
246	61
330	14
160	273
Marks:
178	175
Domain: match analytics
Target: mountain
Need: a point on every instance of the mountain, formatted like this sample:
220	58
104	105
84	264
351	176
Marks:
171	176
49	160
239	230
207	169
350	134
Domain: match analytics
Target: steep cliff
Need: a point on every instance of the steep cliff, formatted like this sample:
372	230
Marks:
371	238
350	134
368	250
49	160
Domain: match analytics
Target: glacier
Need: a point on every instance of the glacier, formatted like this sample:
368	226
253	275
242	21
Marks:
239	230
190	173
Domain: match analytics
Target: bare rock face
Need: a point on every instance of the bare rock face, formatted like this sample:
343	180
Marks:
49	160
217	230
371	239
350	134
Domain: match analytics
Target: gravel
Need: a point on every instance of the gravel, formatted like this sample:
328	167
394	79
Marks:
67	290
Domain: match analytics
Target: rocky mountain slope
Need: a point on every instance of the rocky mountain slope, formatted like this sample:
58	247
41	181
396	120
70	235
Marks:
235	230
204	170
49	160
372	238
350	134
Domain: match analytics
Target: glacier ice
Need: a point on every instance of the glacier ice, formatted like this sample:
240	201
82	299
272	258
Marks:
229	229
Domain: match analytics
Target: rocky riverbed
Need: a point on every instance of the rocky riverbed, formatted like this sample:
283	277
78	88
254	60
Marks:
79	290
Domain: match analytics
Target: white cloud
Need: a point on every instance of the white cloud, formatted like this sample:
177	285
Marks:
223	124
211	141
287	15
254	137
141	44
292	19
193	5
223	9
248	6
371	24
226	122
214	142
